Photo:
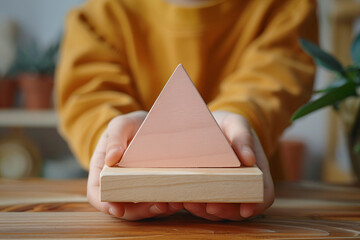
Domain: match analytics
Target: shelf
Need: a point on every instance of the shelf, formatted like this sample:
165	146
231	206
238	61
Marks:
28	118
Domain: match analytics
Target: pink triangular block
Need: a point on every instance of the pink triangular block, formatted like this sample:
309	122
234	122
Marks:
179	131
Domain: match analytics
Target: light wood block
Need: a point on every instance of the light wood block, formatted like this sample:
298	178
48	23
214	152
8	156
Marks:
227	185
179	131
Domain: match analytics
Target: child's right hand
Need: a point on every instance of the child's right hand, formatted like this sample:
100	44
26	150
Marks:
109	151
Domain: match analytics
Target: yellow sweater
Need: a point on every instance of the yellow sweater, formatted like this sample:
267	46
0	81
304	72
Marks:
242	55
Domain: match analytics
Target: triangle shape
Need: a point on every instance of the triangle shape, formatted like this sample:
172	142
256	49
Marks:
179	131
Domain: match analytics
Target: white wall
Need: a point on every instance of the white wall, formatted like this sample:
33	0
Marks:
41	19
312	129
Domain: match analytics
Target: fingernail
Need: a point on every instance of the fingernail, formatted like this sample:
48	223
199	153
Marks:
112	212
211	210
246	212
114	150
175	206
155	209
247	153
109	158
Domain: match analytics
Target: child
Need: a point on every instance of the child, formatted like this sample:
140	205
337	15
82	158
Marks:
243	57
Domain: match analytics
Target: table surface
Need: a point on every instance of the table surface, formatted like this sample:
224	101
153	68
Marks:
35	209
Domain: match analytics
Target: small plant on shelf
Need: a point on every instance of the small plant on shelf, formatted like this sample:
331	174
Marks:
8	33
35	68
31	58
343	94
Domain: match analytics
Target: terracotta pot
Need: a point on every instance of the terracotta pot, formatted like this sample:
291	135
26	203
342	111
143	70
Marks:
7	92
36	90
292	154
349	111
353	146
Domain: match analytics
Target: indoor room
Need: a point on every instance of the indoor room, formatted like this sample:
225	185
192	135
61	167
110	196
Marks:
180	119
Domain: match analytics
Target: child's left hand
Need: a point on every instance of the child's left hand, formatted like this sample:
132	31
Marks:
249	150
109	150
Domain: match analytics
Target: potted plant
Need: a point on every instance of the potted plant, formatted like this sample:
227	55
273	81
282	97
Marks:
35	67
343	94
7	53
7	90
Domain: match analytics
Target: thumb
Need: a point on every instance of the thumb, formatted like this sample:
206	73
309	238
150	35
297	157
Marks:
238	131
119	133
116	140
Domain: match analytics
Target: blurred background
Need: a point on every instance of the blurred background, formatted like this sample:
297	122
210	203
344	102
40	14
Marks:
313	148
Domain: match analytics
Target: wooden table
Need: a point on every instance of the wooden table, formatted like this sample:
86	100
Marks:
35	209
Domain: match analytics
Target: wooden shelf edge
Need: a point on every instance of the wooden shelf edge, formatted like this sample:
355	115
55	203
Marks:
28	118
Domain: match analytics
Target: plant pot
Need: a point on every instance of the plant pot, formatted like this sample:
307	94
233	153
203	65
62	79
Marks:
354	144
7	92
36	90
350	115
292	155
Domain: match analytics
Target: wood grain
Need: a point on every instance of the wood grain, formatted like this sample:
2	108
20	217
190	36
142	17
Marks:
301	211
233	185
97	225
179	131
37	191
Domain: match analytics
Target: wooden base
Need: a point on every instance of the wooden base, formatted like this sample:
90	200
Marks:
227	185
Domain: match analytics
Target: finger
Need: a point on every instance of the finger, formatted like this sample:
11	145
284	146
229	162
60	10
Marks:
175	207
112	208
172	209
120	131
96	165
242	145
117	136
247	209
199	210
136	211
230	211
237	129
263	164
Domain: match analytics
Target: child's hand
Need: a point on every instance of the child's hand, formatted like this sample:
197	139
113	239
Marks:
249	150
109	150
122	129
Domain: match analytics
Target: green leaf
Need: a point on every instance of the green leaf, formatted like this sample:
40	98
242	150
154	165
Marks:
335	84
355	50
327	99
357	148
32	58
320	57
